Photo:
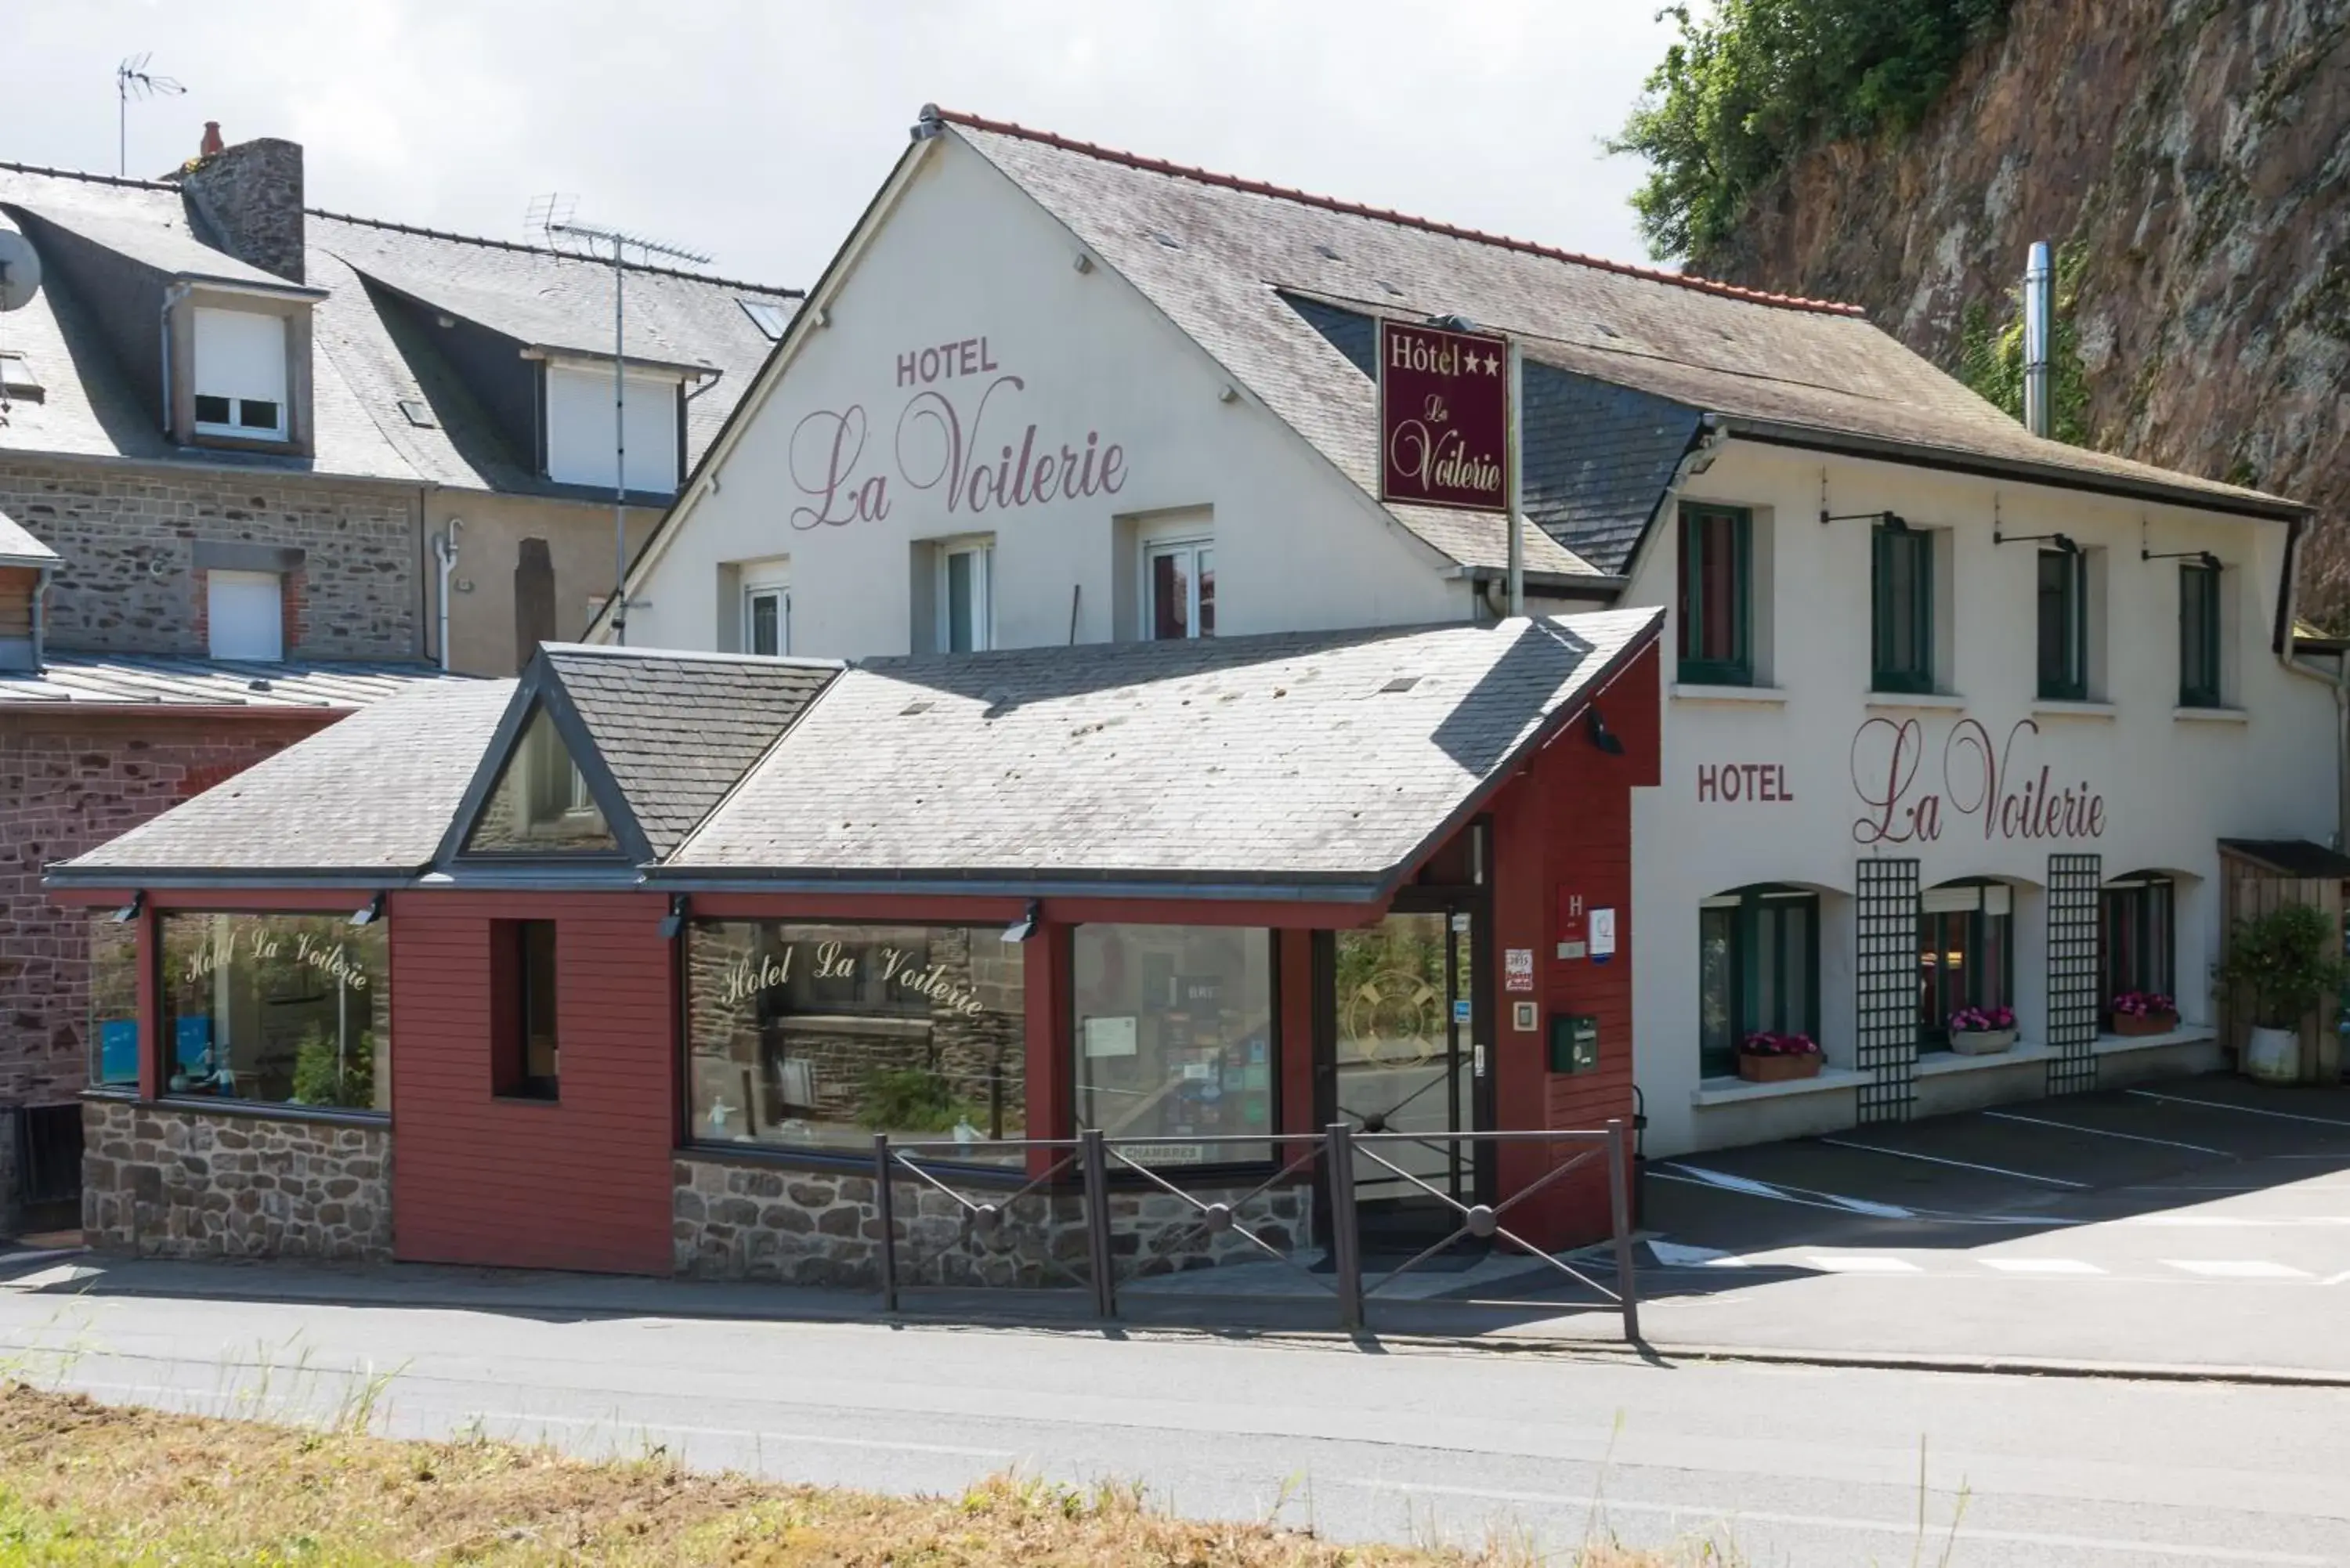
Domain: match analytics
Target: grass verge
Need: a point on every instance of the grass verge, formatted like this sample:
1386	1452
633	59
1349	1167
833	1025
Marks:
86	1485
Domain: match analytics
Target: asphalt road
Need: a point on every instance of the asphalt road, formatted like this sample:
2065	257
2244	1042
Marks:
1791	1465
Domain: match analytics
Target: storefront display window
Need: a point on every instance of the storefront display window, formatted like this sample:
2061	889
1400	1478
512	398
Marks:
817	1036
1966	955
279	1009
1758	969
113	1002
1175	1039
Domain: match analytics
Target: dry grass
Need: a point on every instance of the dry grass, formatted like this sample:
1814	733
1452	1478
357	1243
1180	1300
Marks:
86	1485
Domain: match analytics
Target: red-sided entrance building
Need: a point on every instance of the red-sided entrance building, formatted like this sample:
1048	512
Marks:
624	965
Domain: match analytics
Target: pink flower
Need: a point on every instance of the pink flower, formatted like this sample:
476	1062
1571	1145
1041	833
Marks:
1763	1043
2144	1004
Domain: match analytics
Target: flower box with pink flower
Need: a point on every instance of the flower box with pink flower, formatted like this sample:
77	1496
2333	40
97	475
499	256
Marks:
1767	1058
2144	1013
1982	1030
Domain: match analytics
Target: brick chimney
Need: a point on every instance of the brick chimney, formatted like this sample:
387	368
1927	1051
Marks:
249	197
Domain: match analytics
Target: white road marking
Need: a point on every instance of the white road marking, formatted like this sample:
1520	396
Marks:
1679	1255
1601	1506
2235	1268
1860	1264
2040	1266
2341	1279
160	1395
2248	1110
1962	1164
2103	1132
2233	1221
1698	1176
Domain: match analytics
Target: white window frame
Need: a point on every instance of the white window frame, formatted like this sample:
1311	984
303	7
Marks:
980	553
1191	546
780	592
245	382
216	580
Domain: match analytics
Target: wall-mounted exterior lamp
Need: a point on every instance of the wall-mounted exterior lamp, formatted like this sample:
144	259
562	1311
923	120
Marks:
680	906
1020	929
368	913
1602	738
130	912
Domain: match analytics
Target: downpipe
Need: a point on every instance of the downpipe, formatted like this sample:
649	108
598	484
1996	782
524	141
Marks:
444	551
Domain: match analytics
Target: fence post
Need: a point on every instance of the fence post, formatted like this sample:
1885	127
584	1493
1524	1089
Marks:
885	1211
1345	1239
1619	1221
1094	1164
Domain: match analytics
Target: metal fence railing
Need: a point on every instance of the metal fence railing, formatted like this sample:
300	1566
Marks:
1074	1207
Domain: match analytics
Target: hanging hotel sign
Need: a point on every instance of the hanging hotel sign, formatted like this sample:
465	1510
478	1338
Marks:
1444	417
1983	782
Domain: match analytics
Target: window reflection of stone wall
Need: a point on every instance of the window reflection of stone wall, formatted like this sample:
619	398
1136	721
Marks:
846	1060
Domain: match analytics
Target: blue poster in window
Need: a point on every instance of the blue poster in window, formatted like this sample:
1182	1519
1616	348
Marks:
117	1051
192	1044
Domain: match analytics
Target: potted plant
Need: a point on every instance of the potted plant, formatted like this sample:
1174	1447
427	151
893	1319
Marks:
1764	1057
2281	965
2144	1013
1982	1030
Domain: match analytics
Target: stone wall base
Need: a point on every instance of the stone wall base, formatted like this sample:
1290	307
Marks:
177	1182
744	1220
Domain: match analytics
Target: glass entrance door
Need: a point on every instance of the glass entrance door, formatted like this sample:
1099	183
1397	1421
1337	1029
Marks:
1405	1041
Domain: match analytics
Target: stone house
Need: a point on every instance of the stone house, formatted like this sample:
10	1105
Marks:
264	465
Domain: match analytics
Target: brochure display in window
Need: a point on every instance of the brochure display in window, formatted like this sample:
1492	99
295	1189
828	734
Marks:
278	1009
1175	1040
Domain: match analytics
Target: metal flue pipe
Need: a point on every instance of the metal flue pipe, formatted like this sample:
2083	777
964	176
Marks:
2039	320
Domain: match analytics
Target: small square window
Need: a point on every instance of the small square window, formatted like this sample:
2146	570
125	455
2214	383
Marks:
212	410
1180	589
769	319
253	414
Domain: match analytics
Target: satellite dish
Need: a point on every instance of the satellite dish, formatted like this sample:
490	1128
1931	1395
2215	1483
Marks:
20	270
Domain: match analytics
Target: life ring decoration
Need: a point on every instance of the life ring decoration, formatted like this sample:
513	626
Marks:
1394	1019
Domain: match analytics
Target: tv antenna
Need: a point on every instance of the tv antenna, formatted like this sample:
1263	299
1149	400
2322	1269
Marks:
614	246
133	79
20	275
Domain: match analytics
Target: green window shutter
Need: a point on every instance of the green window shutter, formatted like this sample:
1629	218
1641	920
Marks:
1716	596
2199	636
1901	609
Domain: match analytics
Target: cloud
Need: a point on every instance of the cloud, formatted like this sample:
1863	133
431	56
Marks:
757	131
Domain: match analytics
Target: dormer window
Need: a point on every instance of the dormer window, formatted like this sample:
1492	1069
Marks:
542	803
240	374
580	429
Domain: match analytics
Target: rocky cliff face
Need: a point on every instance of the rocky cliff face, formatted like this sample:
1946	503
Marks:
2194	155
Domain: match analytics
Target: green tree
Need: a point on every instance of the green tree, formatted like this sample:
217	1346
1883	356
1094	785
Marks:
1750	83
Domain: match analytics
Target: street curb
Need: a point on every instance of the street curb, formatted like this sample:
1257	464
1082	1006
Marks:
1646	1352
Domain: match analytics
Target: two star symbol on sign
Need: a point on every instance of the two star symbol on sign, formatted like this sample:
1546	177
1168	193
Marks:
1491	365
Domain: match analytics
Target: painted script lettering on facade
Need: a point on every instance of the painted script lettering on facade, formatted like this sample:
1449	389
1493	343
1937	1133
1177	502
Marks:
833	960
1743	781
217	952
1444	417
966	445
1982	779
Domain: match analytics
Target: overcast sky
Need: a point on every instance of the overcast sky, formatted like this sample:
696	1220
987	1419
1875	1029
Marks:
756	129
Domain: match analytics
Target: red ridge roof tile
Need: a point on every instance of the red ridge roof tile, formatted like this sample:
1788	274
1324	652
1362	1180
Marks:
1354	209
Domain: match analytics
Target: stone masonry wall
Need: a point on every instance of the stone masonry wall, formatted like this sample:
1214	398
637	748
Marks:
168	1182
128	584
63	791
743	1221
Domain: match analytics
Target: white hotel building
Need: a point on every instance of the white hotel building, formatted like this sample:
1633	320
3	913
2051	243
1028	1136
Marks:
1954	714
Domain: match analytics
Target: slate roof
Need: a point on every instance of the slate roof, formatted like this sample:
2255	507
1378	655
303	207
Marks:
1283	760
371	794
1227	260
18	548
677	730
133	680
365	355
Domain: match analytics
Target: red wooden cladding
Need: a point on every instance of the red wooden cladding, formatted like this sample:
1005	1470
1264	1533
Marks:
582	1182
1566	824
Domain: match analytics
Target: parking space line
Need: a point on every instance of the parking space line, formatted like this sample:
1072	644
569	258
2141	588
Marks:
1962	1164
2040	1266
2102	1132
1859	1263
2248	1110
2234	1268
